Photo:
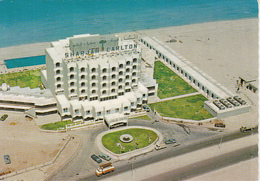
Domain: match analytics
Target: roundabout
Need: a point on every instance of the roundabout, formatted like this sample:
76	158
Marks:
127	142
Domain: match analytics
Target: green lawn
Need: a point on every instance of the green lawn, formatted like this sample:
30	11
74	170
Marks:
145	117
56	125
169	83
141	137
186	108
30	79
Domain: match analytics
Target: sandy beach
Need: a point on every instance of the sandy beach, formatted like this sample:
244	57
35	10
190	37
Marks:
224	50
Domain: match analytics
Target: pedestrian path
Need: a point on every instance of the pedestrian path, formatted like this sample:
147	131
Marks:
181	96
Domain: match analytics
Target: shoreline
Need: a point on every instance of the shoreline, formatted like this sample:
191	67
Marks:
47	44
224	50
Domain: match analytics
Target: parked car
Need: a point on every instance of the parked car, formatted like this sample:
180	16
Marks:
3	117
146	108
7	159
96	158
170	141
104	156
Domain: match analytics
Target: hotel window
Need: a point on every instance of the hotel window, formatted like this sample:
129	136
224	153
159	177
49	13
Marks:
135	60
71	76
120	80
113	83
93	77
72	91
59	86
132	103
181	71
76	111
125	108
72	84
143	95
128	63
194	81
98	113
82	69
93	84
104	78
127	90
127	77
83	91
117	110
127	84
83	84
128	70
57	72
93	91
113	90
58	79
121	66
104	70
120	87
108	111
104	92
87	112
113	69
93	70
71	69
134	80
185	74
121	73
82	77
113	76
138	100
57	64
134	73
65	110
104	85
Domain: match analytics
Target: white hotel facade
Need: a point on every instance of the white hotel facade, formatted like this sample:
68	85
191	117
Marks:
96	78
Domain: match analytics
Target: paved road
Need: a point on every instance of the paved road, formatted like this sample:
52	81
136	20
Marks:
208	165
82	167
156	156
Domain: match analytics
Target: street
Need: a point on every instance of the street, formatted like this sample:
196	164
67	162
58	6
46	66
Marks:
82	167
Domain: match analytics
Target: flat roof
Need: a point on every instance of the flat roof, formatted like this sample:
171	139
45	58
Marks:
159	46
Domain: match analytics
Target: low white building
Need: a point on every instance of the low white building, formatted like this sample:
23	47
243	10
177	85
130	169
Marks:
94	77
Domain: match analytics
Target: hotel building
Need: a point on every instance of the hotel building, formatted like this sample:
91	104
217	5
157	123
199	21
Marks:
96	78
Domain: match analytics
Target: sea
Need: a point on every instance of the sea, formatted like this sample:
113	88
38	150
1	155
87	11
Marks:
31	21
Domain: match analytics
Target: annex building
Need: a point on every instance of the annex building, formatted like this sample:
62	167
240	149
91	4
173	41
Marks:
96	77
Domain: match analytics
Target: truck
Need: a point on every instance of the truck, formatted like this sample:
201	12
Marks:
104	169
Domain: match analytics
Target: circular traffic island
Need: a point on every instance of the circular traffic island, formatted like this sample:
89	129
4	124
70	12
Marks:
130	139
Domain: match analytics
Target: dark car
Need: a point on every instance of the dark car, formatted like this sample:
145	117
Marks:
7	159
3	117
146	108
104	156
170	141
96	158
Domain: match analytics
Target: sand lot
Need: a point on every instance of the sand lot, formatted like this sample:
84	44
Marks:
25	144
